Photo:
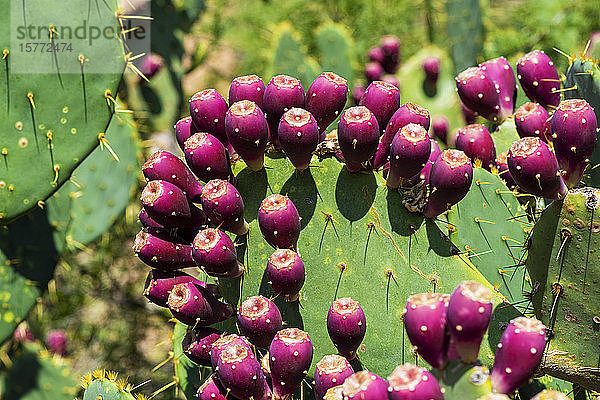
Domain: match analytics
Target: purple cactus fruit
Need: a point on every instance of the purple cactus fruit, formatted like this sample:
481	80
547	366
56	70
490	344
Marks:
375	54
391	79
299	136
531	119
22	334
169	206
503	171
326	98
519	354
282	93
163	165
478	92
477	143
346	325
160	283
194	305
259	319
279	221
248	132
440	127
391	53
151	64
158	252
574	132
409	382
224	342
147	221
212	389
358	135
56	341
357	93
409	154
207	157
469	115
423	176
266	368
425	323
534	168
214	252
196	344
208	109
539	78
247	87
240	372
364	385
549	395
450	180
431	67
183	131
469	314
331	371
373	71
224	206
334	393
383	99
503	76
286	273
291	353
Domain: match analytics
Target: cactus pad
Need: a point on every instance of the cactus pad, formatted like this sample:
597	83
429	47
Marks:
106	385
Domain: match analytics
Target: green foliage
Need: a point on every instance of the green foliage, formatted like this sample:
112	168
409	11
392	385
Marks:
106	388
465	32
462	381
336	50
505	135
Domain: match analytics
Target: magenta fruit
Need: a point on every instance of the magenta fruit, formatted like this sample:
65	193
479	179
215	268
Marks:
160	253
373	71
469	314
534	168
326	98
163	165
549	395
224	206
183	131
279	221
196	344
169	206
332	370
478	92
56	341
391	53
286	273
240	372
503	76
440	127
248	132
207	157
299	136
208	109
247	87
375	54
266	368
519	354
477	143
212	389
423	176
425	323
259	319
469	115
291	353
358	135
391	79
364	385
282	93
409	382
539	78
150	65
214	252
531	119
574	131
382	99
194	305
346	325
334	393
431	67
160	283
409	153
450	179
503	171
147	221
224	342
357	93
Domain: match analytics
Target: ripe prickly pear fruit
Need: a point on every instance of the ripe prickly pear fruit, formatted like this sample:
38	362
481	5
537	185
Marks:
299	136
549	395
391	79
291	353
373	71
440	127
282	93
450	179
147	221
247	87
410	382
279	221
208	109
503	76
56	341
425	323
214	252
151	64
391	53
266	368
358	135
331	371
423	176
504	172
160	252
207	157
477	143
248	132
531	119
212	389
479	93
364	385
334	393
431	67
375	54
196	306
574	132
409	153
326	98
224	342
383	99
539	78
159	284
357	93
469	115
168	205
224	206
534	168
183	130
519	354
163	165
469	313
197	342
239	371
346	325
259	319
286	273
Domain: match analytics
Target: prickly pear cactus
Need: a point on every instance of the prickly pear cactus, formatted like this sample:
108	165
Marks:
465	32
505	135
105	385
336	49
53	119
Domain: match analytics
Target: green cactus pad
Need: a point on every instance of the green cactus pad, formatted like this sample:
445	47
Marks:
462	381
106	389
505	135
335	48
465	32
